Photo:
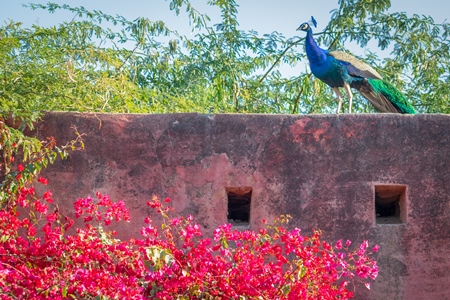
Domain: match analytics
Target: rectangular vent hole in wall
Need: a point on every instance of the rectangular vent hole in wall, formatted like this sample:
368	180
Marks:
390	204
239	200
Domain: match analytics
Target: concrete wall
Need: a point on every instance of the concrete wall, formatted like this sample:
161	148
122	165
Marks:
324	170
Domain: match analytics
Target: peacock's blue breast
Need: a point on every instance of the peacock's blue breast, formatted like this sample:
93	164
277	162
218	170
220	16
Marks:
330	71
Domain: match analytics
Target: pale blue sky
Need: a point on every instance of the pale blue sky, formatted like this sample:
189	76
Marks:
264	16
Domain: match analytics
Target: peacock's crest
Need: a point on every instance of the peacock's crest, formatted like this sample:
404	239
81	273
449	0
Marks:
313	22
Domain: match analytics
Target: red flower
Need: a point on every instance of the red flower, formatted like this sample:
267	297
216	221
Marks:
20	168
43	180
48	196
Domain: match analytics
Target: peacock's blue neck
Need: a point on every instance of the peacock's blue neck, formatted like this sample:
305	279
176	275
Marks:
316	55
323	66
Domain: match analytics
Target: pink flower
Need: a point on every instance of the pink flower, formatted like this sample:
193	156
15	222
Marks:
375	248
171	260
31	231
39	207
176	221
23	201
364	245
51	217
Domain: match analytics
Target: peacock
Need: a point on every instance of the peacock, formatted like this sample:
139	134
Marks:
340	69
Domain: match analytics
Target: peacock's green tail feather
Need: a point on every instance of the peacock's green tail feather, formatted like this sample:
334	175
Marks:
393	95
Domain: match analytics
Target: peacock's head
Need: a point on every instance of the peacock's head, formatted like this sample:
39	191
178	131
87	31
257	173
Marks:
307	25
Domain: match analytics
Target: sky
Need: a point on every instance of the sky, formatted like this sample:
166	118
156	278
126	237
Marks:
264	16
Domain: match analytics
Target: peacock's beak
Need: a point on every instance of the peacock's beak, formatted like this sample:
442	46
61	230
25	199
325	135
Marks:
298	28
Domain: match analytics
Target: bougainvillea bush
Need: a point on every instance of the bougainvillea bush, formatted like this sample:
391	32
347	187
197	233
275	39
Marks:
41	259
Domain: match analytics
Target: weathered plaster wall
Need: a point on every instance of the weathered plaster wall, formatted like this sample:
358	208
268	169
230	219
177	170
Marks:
321	169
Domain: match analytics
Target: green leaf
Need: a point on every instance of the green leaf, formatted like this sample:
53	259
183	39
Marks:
64	291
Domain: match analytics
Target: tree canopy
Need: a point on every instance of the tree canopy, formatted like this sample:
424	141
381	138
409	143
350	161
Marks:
103	63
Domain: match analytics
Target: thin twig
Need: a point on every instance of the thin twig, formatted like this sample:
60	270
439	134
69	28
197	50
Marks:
297	99
278	60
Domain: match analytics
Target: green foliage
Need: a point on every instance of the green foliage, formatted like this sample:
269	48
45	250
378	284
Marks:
102	63
419	59
33	156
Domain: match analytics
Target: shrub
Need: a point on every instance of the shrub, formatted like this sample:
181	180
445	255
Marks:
39	259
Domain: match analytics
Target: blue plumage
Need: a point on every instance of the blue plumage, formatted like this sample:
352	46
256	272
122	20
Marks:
340	69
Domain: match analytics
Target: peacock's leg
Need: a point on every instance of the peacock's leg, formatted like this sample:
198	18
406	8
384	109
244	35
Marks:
338	98
350	97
